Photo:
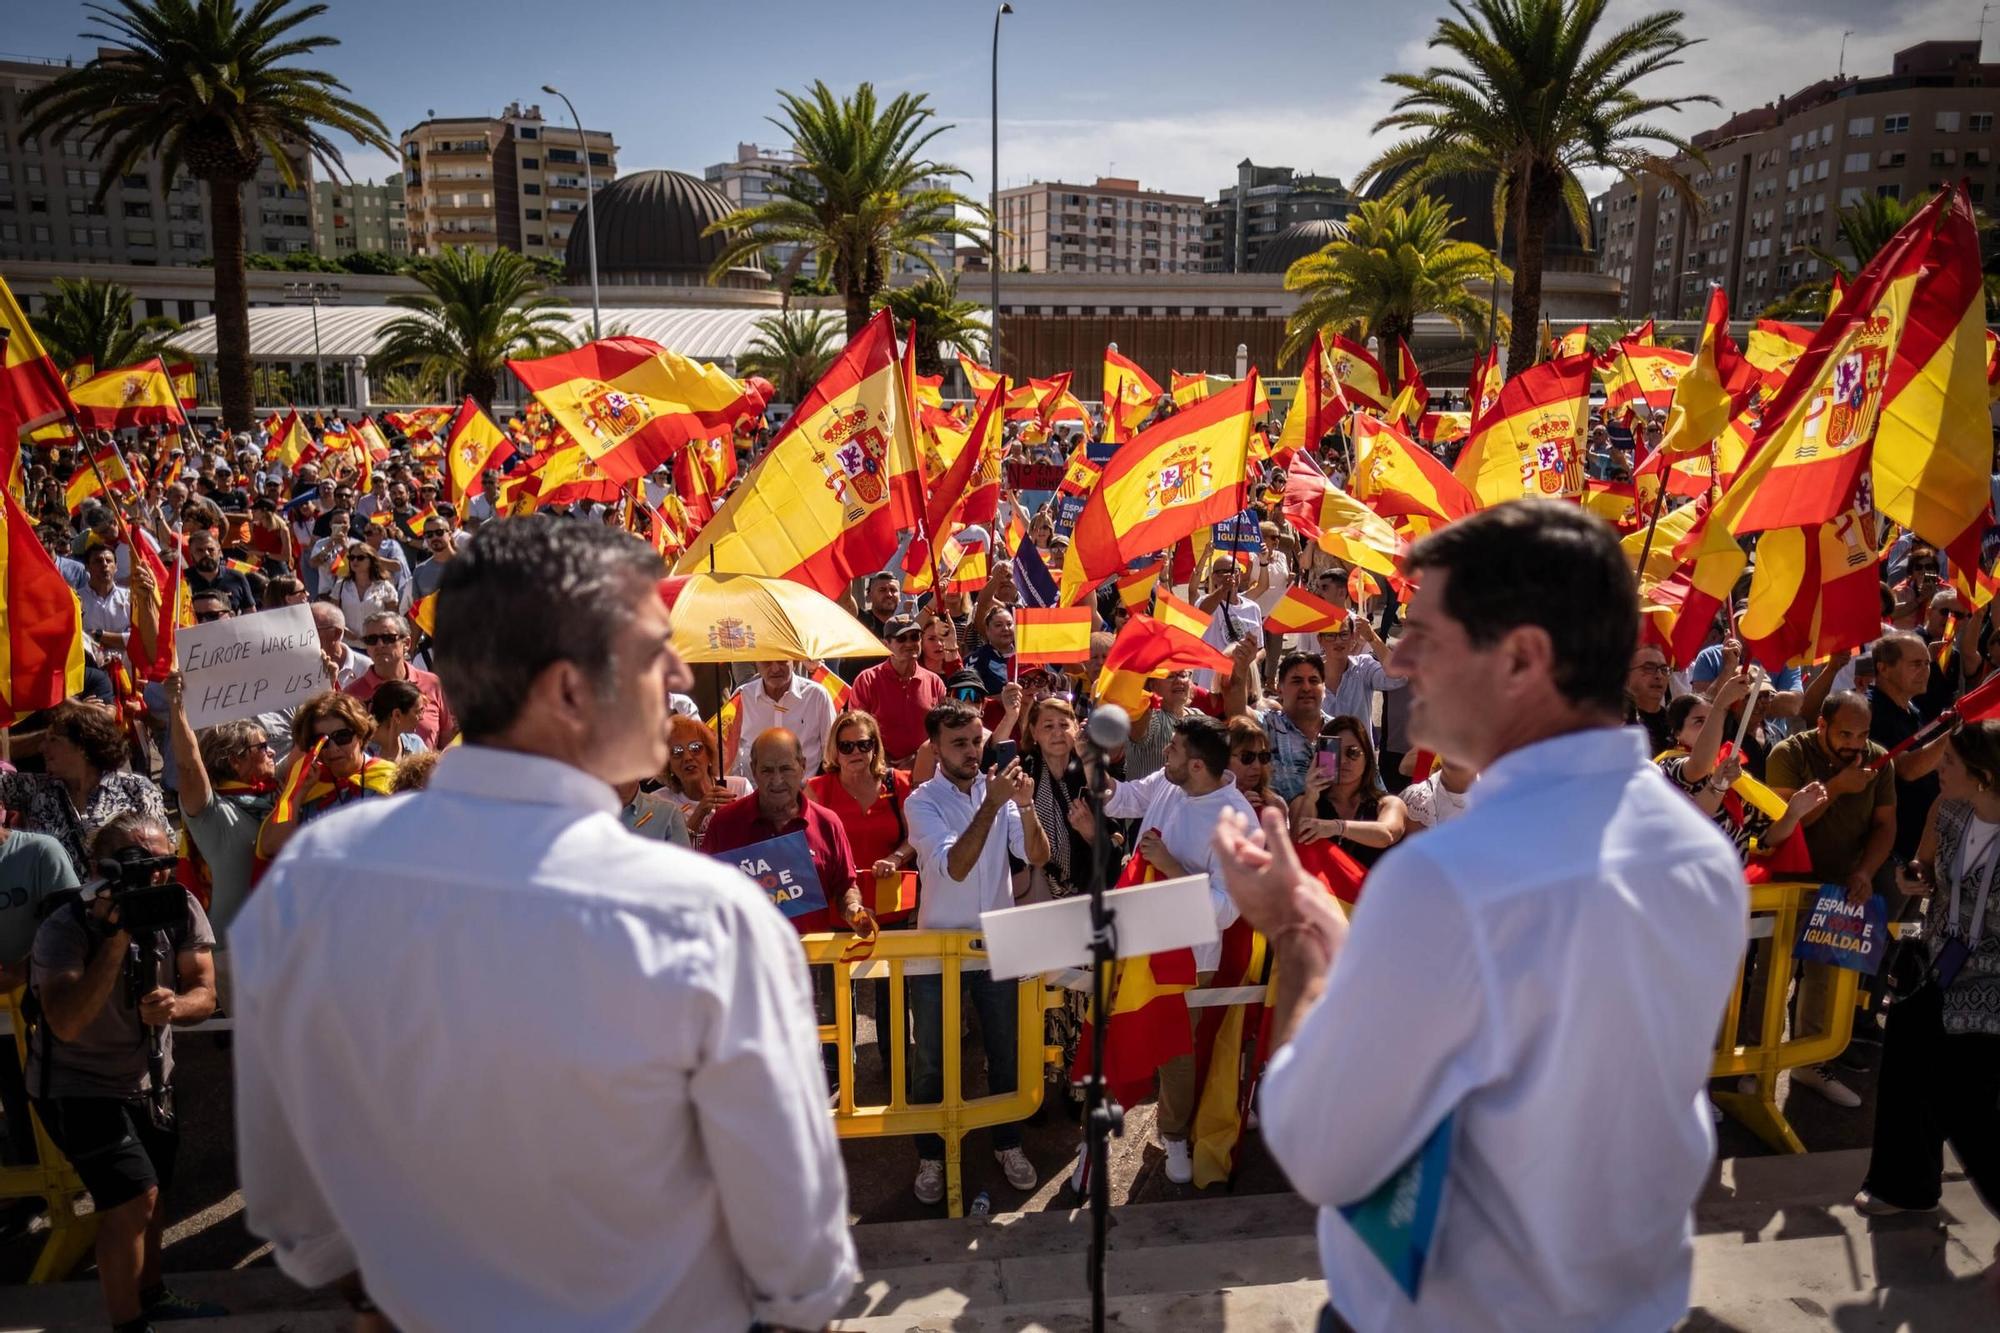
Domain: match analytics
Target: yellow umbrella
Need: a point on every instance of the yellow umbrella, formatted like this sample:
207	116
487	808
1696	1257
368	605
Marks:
749	618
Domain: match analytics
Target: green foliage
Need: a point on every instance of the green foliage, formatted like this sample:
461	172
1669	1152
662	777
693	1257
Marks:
792	349
476	311
84	320
942	320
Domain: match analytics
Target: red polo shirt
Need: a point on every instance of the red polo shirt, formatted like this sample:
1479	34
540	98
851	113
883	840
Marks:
899	705
437	726
741	823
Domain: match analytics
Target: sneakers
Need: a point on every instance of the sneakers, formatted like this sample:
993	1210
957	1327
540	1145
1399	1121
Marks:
1821	1079
1180	1165
930	1181
1870	1206
1014	1164
172	1306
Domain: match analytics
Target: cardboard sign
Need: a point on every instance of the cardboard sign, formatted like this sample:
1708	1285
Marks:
783	868
1844	934
246	665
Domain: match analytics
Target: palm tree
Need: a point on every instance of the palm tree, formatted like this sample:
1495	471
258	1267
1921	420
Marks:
942	319
407	386
205	84
861	195
1397	262
792	349
477	310
1606	332
1866	225
1530	103
87	321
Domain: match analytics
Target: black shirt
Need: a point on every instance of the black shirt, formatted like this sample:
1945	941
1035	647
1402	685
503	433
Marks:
227	581
1890	724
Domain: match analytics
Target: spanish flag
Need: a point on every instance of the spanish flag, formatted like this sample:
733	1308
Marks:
829	680
1188	389
1637	374
1531	441
1316	408
472	443
1775	345
631	403
1049	635
1713	389
1135	588
966	571
158	612
31	389
1401	482
423	613
182	375
136	395
982	380
1148	647
1359	375
1147	1023
291	443
1186	472
1129	394
1299	612
1574	343
84	483
1080	475
1341	525
728	727
1413	397
41	621
1616	502
952	492
838	487
940	438
374	446
1482	389
1182	615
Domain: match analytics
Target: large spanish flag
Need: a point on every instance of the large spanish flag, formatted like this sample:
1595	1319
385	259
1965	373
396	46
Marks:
135	395
182	374
839	486
1316	408
31	389
1640	374
1359	375
1053	634
631	403
1180	474
1337	522
1530	443
41	622
471	444
1402	482
1129	394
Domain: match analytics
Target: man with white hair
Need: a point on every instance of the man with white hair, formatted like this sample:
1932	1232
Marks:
344	663
387	638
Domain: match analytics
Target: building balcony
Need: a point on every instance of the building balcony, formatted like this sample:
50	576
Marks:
461	151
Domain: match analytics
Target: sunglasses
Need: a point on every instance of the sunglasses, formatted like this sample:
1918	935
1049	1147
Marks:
692	747
204	617
912	637
380	640
338	740
866	745
968	695
1253	756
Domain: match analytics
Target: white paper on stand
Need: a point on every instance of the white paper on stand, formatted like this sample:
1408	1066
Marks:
1046	937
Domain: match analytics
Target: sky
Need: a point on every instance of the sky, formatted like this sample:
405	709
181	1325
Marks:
1172	92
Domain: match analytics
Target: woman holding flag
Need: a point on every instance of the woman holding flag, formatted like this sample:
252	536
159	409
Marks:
1696	766
330	767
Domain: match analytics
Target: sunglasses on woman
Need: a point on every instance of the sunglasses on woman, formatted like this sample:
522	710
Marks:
692	747
866	745
1253	756
338	740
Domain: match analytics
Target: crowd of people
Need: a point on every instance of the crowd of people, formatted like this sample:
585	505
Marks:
946	780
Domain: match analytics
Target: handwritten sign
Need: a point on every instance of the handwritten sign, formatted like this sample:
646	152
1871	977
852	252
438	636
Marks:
1849	935
247	665
1034	476
783	868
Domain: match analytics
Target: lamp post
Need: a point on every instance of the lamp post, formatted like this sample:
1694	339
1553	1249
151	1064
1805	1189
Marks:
993	202
589	209
311	292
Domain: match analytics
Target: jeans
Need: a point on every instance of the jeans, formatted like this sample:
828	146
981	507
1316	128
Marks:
995	1002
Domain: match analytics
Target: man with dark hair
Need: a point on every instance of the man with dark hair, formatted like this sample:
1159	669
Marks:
1177	809
1896	713
1294	725
661	979
205	571
1510	964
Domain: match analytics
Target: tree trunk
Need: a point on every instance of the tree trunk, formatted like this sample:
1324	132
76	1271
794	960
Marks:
480	388
857	310
1538	214
232	306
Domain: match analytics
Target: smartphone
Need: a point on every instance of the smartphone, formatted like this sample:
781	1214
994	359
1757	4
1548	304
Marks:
1005	752
1326	753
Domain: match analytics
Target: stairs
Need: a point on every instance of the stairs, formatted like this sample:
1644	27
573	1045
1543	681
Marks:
1778	1248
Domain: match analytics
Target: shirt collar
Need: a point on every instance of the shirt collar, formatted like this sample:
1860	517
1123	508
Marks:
1571	755
491	774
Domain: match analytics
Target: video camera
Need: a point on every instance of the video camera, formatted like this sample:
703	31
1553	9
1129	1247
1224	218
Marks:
143	906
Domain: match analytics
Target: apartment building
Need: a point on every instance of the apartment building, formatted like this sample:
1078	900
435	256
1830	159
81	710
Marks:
1112	226
1264	201
362	216
507	182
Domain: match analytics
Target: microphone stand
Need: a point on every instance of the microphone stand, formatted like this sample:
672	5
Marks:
1103	1117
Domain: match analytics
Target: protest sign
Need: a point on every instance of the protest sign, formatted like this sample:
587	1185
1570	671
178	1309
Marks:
246	665
1034	476
783	868
1849	935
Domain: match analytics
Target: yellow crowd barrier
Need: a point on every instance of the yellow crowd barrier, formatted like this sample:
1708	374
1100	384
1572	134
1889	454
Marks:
49	1178
1825	1019
896	956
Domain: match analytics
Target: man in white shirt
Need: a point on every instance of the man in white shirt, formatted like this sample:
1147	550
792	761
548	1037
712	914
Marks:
107	607
963	828
1531	992
781	697
1177	809
618	1119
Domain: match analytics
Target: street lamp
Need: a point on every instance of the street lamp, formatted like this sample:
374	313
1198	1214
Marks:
993	200
589	209
312	291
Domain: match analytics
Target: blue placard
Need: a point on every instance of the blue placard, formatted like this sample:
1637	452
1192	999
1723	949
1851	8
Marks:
1239	533
1853	936
1068	508
783	868
1398	1222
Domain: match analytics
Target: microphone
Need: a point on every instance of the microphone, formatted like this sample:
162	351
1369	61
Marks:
1104	734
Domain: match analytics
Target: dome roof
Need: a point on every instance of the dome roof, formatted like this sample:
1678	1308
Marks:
649	231
1470	198
1295	243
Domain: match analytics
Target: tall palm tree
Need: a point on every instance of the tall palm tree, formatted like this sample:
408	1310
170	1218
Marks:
85	320
862	194
792	349
1866	225
1397	262
942	319
477	310
1530	102
206	85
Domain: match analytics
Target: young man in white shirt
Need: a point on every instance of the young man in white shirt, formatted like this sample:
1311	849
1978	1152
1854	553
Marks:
781	697
387	1136
964	825
1531	993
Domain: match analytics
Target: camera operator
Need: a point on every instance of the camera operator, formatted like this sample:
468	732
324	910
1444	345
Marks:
113	969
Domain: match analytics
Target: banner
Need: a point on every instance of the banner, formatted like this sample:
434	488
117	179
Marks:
247	665
1034	476
1850	935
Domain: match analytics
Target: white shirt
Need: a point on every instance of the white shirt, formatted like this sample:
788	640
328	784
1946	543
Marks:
489	992
1187	830
805	709
1245	617
1431	803
1543	968
1279	567
112	612
938	814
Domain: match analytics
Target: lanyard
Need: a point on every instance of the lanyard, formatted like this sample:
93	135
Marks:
1985	889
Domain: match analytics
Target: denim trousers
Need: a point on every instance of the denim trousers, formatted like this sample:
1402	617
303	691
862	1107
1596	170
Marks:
995	1003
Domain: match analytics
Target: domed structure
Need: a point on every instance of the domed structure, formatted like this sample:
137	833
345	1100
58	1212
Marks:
649	234
1295	243
1470	198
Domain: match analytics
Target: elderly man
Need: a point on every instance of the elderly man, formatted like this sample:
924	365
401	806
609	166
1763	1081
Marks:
343	661
781	697
779	806
899	692
387	638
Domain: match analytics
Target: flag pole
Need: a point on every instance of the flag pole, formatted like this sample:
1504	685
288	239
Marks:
1652	525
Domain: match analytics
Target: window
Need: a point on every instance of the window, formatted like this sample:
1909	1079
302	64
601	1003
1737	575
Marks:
10	231
1889	192
138	209
1947	122
1943	157
1792	179
531	164
527	132
40	232
1890	159
1979	157
600	159
38	204
1980	122
1812	138
565	155
1855	162
1851	195
534	238
142	240
534	215
1977	189
1824	166
531	188
1895	124
1860	127
33	173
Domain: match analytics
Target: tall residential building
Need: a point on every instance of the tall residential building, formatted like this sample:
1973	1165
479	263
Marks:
363	216
49	208
1110	227
1777	177
750	179
509	182
1264	201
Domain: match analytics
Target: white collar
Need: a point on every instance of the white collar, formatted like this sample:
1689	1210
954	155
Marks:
487	773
